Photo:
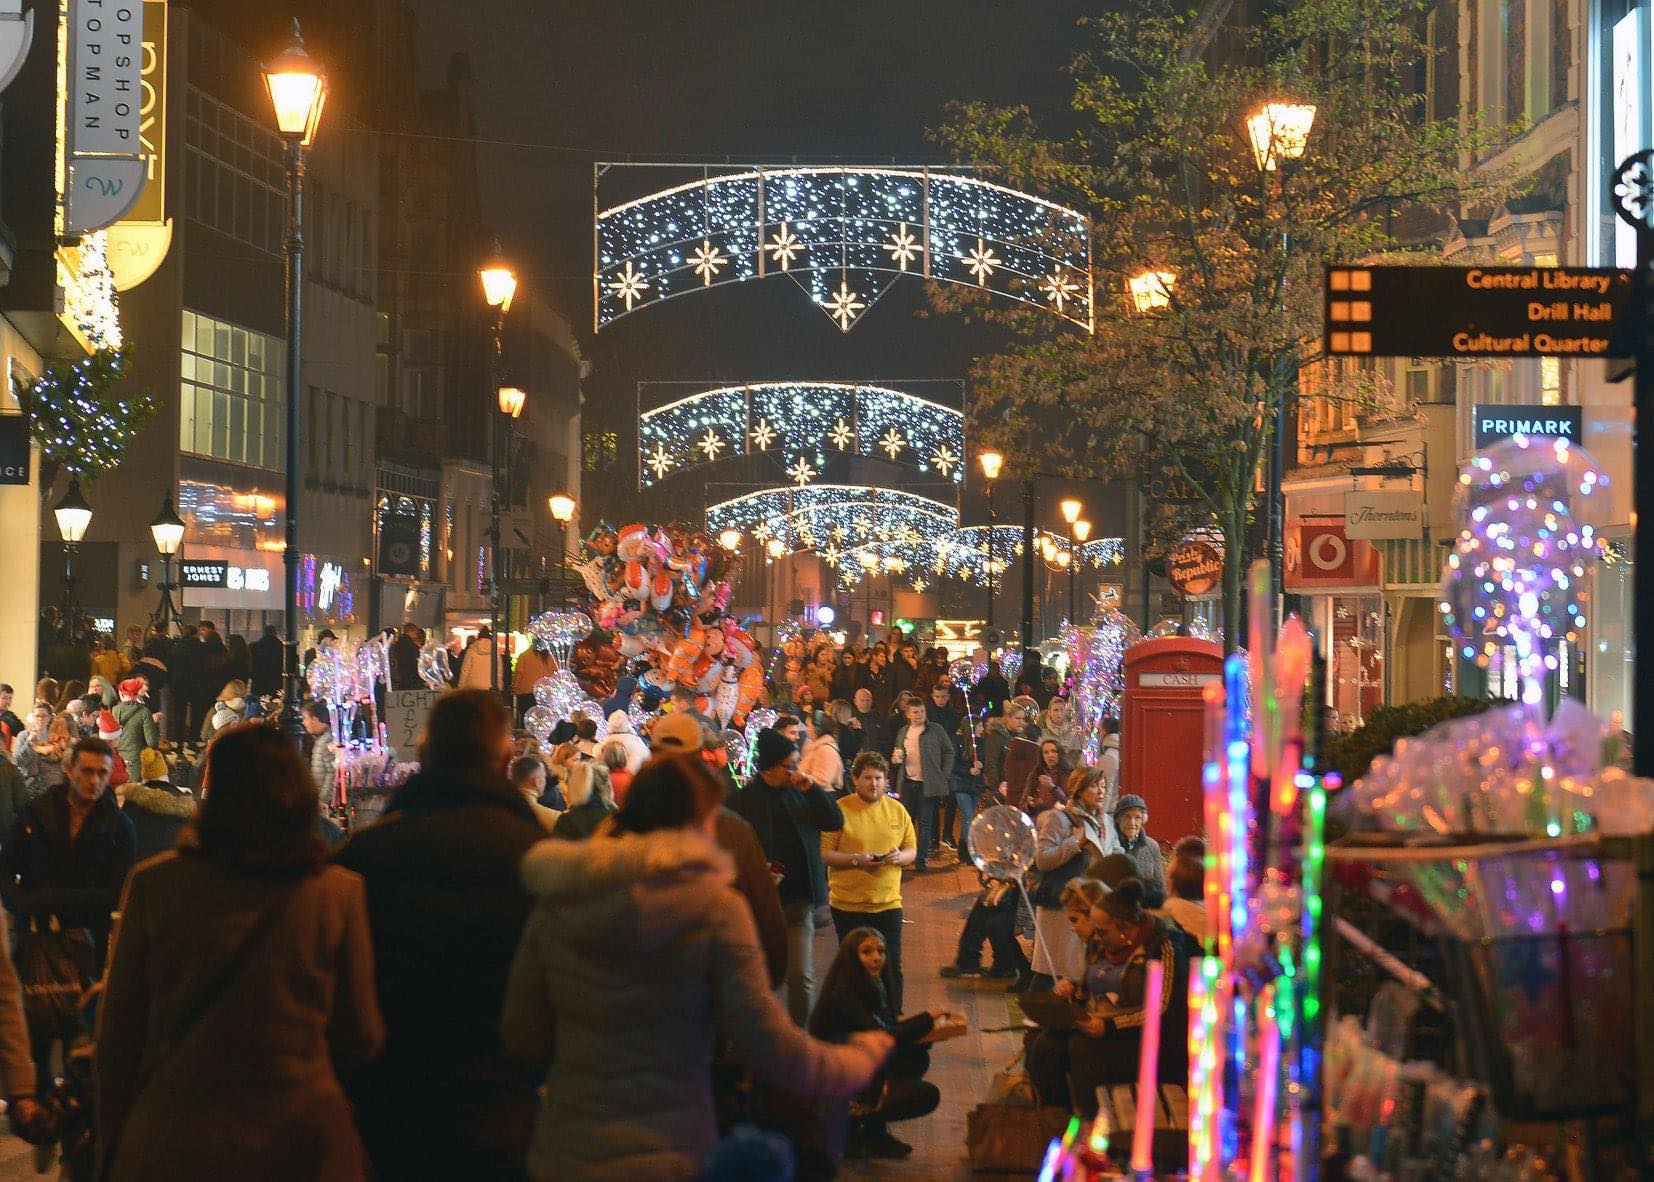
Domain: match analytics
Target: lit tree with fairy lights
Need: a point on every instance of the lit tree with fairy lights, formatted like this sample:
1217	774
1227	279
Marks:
1219	185
80	420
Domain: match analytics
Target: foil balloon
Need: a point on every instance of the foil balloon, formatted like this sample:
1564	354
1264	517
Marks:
1002	843
539	721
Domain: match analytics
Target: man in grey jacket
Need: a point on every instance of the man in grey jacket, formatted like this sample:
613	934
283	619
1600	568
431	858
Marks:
922	760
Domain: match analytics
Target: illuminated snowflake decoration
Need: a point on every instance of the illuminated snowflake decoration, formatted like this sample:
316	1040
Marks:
838	533
831	554
1059	289
844	306
832	229
762	531
788	421
982	262
945	459
919	583
660	461
711	444
629	285
903	247
784	246
802	472
708	260
892	443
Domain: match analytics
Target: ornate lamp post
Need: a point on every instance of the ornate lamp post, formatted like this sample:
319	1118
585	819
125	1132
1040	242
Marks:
73	515
298	90
1080	531
992	462
562	512
168	531
499	284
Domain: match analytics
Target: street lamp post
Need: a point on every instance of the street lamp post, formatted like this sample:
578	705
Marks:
991	462
774	549
562	512
1279	135
1071	510
73	515
1080	531
1030	655
168	531
298	90
499	284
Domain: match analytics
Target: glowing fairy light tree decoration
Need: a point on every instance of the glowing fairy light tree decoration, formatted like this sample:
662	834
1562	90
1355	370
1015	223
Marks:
844	235
1515	582
812	422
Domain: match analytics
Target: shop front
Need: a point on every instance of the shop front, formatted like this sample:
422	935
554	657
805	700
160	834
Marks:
239	590
1418	662
1336	580
329	586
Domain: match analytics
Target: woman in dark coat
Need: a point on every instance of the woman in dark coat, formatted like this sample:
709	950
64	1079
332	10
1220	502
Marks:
875	678
209	1078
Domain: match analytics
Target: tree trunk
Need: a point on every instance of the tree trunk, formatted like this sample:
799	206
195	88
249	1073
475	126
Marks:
1234	578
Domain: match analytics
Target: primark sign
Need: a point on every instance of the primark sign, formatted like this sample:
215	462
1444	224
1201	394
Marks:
1493	423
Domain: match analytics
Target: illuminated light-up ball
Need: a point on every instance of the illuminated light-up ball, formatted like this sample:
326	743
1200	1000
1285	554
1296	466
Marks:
560	631
539	722
1002	842
1531	511
434	668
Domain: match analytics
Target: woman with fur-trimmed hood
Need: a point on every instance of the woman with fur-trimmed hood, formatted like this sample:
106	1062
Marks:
637	962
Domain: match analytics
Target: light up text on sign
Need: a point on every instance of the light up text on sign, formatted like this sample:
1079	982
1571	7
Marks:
1474	311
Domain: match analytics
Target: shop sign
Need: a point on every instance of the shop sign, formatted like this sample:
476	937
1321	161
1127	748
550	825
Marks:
1493	423
102	149
1195	569
203	573
1320	556
1177	680
1383	514
138	242
14	449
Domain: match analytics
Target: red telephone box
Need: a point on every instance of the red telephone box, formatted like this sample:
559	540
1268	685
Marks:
1162	729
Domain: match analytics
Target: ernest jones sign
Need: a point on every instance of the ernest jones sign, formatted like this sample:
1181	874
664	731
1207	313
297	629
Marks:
1474	311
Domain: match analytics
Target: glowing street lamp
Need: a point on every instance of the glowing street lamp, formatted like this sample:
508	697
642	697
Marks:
512	401
1151	290
499	284
168	531
73	515
1279	132
1071	510
499	280
562	507
298	91
730	539
775	547
992	462
1082	530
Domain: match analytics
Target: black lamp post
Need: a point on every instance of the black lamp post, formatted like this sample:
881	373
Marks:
298	90
168	531
991	462
73	515
499	284
562	512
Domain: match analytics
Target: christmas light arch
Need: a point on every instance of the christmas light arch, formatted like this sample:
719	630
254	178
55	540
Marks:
833	519
803	424
844	234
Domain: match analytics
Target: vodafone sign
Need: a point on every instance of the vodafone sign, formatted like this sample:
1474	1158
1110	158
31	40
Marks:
1320	556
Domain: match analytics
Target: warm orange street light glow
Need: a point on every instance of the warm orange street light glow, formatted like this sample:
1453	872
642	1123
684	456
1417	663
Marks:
512	401
991	462
298	89
1279	131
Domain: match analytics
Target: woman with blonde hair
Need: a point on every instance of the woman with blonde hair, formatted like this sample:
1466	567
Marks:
590	796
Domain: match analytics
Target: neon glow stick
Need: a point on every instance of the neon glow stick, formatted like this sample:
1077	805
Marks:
1269	1078
1148	1070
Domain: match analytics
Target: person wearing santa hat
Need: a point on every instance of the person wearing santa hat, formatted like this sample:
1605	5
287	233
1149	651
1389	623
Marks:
110	732
137	723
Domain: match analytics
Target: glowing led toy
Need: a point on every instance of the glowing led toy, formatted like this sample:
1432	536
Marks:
560	631
1531	510
844	235
800	421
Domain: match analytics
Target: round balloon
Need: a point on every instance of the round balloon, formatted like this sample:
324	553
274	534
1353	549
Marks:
538	721
1002	842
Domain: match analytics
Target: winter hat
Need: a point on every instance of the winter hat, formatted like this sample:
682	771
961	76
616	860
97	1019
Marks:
1131	801
773	749
108	728
152	765
676	734
132	688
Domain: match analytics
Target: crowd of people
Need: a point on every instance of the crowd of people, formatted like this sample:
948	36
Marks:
579	958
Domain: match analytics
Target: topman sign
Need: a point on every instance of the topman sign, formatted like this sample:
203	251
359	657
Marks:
102	152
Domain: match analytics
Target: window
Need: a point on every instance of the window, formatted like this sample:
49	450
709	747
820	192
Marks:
230	400
233	176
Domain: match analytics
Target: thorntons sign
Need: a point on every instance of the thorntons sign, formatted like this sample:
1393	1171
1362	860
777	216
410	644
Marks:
1493	423
1377	514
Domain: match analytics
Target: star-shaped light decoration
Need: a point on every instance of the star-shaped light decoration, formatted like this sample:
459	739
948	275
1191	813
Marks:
711	443
844	306
838	533
629	285
903	247
762	435
784	246
945	459
801	472
708	260
919	583
864	525
831	554
660	460
1059	288
982	262
762	531
841	435
893	443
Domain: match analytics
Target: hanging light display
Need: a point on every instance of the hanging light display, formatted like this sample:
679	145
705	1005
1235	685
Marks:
844	235
808	422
